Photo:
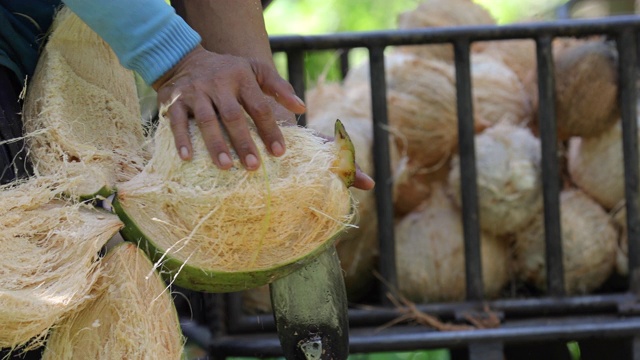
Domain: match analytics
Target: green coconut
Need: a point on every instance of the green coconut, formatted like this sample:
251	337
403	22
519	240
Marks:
228	230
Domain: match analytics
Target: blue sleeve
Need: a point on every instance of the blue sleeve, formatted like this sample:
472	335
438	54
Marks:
146	35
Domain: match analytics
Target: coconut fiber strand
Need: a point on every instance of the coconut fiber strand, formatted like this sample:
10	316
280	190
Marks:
81	111
130	317
48	257
239	220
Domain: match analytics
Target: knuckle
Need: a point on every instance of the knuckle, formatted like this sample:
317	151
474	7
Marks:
261	111
205	119
232	116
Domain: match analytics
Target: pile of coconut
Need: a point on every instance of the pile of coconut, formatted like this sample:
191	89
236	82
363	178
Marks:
423	134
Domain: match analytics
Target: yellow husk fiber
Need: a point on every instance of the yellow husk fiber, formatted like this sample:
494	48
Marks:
81	110
130	317
48	257
236	219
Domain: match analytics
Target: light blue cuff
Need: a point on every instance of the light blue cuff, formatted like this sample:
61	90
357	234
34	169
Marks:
146	35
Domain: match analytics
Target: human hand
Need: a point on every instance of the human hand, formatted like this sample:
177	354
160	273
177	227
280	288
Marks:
214	89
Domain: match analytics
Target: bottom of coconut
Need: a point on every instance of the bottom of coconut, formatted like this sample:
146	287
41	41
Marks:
131	315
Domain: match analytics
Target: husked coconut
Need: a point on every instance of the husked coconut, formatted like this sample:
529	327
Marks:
595	165
130	315
508	177
441	13
357	246
622	254
228	230
589	243
430	254
518	54
81	111
48	259
498	94
412	183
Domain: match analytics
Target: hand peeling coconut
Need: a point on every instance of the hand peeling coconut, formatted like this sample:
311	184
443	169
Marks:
509	178
130	315
48	259
81	111
228	230
589	244
430	254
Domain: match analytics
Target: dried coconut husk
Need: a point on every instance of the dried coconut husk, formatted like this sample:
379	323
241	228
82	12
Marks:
48	258
130	316
596	166
430	254
508	177
589	243
412	184
229	230
357	247
498	94
81	111
619	216
441	13
518	54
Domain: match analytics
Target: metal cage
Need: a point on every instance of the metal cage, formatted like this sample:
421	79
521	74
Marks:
610	322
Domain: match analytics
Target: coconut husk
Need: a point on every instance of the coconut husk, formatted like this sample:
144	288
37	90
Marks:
508	177
81	111
595	165
518	54
412	184
441	13
430	254
48	262
619	217
131	315
589	244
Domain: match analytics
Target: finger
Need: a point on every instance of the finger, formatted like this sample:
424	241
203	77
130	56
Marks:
256	105
363	181
207	121
275	86
179	123
235	122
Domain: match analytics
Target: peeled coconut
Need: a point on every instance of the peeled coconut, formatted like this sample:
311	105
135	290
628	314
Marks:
589	244
412	183
498	94
48	259
228	230
508	177
518	54
596	166
430	254
81	111
441	13
130	315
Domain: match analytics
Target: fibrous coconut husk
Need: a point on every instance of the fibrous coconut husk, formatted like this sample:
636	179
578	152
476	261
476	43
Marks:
619	217
441	13
518	54
596	166
228	230
48	258
508	178
430	254
589	244
130	316
412	184
81	111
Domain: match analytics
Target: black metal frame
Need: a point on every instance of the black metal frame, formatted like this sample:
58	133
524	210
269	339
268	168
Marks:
552	317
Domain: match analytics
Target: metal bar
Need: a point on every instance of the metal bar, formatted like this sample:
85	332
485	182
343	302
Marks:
468	183
550	171
572	27
295	70
383	189
234	313
626	42
635	348
344	62
486	350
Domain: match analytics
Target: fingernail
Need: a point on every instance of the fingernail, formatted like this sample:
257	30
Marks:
300	102
184	153
225	160
251	161
277	149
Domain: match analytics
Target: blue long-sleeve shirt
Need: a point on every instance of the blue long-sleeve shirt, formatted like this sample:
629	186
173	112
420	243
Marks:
146	35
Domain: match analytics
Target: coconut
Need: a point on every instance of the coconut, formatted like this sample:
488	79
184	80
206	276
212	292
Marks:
589	243
130	316
48	258
619	217
518	54
81	111
430	254
412	183
498	94
439	13
228	230
508	177
596	166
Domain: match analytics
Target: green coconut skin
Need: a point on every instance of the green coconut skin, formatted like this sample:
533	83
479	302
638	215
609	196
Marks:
207	280
104	192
